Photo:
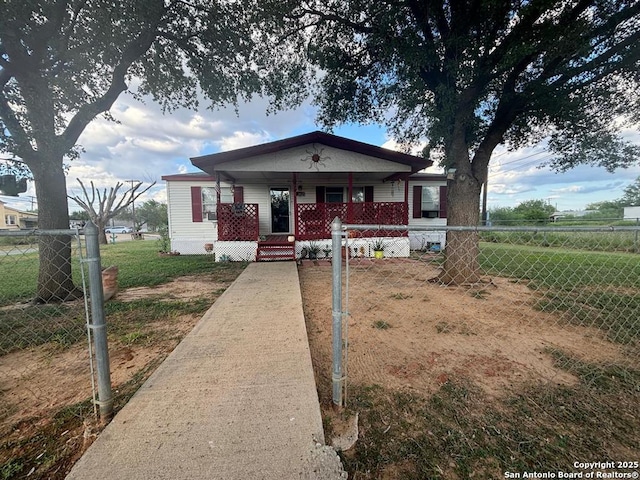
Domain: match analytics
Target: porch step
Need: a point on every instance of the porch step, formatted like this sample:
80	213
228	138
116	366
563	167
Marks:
268	251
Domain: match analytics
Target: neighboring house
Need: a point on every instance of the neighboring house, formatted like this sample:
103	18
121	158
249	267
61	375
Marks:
13	219
631	213
555	216
269	201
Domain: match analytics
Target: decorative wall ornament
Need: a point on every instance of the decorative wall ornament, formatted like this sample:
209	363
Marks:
315	158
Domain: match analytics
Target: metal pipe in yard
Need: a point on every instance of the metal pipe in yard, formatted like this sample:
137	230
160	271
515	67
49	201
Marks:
336	331
98	322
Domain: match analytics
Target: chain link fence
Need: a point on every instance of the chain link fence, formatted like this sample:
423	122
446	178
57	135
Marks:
42	337
482	353
502	307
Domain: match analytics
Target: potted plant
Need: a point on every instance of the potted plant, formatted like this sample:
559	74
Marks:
378	248
327	252
313	249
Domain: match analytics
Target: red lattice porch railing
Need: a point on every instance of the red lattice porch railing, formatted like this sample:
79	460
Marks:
238	222
314	219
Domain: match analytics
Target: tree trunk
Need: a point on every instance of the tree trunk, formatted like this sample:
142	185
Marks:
461	263
101	224
55	282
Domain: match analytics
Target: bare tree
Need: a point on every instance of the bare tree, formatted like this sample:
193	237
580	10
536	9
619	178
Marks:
102	206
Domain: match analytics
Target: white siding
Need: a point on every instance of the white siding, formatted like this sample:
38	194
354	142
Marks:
187	236
424	222
421	240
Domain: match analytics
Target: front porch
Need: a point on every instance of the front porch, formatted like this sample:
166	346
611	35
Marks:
239	236
311	221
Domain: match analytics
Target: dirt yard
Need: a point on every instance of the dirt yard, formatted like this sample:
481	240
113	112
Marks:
405	332
38	383
464	382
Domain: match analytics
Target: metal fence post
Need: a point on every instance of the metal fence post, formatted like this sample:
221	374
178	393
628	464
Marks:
98	322
336	331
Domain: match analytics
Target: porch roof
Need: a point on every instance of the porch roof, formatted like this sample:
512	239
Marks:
223	161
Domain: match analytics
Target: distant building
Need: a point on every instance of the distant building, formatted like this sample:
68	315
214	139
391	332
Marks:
14	219
631	213
555	216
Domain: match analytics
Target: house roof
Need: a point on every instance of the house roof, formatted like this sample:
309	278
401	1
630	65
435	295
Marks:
187	177
208	163
428	177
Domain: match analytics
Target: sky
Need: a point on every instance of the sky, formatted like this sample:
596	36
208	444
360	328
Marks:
146	144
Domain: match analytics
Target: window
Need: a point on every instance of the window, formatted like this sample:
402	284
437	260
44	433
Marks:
10	220
430	206
358	195
334	195
209	200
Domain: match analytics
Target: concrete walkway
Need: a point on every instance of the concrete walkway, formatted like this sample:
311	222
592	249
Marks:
235	400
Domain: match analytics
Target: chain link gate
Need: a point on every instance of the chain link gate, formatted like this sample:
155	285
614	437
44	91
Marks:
40	341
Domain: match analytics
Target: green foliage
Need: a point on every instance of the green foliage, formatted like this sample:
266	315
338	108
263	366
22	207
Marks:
64	63
537	211
153	213
496	71
526	213
631	195
80	215
605	210
164	242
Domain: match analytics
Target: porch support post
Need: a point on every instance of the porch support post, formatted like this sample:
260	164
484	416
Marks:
336	330
405	218
218	188
294	181
350	199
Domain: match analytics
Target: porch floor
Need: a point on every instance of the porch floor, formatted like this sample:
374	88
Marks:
275	240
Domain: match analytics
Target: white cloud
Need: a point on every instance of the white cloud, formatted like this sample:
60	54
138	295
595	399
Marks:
242	139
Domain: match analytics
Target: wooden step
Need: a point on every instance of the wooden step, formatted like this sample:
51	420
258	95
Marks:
267	252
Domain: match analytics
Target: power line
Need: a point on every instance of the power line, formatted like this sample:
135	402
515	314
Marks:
523	158
518	167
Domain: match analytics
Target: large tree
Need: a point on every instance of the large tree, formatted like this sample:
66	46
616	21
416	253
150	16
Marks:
64	62
469	75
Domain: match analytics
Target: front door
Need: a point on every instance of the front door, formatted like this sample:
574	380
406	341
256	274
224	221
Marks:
280	209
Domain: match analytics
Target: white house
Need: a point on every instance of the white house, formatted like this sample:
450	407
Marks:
269	201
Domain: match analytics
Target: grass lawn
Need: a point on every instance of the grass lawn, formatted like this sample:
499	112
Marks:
139	265
593	288
143	267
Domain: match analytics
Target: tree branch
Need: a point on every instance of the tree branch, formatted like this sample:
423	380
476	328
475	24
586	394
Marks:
132	52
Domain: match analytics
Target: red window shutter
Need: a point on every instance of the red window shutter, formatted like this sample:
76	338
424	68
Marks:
238	194
417	201
319	194
368	194
443	202
196	204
